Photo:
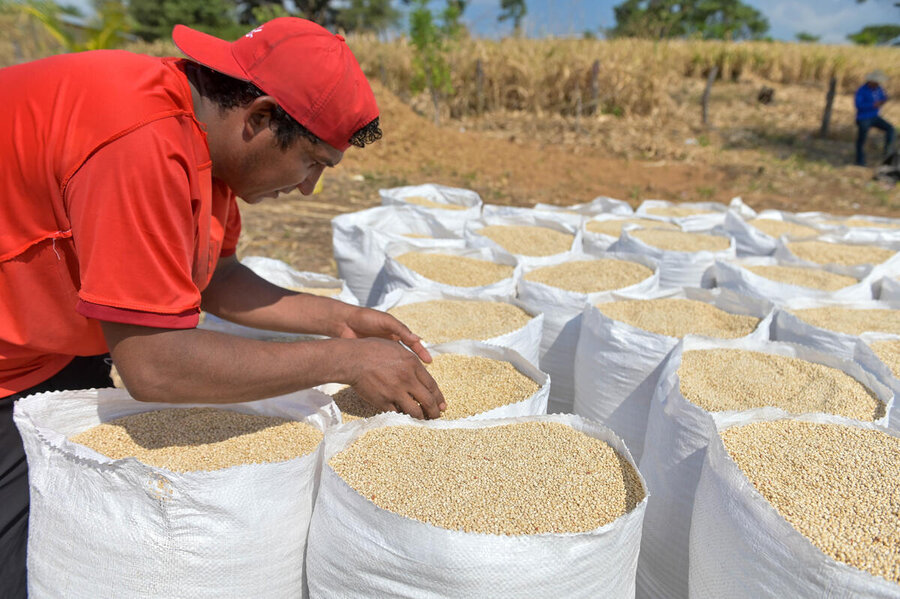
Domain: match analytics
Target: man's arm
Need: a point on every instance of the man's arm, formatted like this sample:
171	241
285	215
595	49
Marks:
191	365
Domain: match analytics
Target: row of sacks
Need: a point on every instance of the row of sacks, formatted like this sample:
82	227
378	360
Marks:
103	527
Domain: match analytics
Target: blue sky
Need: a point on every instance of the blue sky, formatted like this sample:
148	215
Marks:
830	19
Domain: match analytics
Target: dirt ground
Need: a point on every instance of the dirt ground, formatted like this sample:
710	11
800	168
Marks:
768	155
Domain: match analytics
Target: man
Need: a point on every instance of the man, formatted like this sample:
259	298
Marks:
869	100
118	223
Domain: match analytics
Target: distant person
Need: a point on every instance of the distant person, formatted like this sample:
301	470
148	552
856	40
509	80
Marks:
869	100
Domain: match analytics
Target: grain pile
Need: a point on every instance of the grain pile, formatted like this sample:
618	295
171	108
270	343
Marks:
423	201
590	276
527	240
889	353
613	227
676	317
835	484
861	223
811	278
455	270
777	228
851	321
678	241
845	254
721	380
470	384
439	321
676	211
190	439
517	479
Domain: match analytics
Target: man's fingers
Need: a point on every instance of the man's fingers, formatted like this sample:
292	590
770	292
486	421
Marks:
419	350
410	406
431	386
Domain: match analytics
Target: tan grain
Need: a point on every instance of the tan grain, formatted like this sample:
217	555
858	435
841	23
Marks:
845	254
438	321
679	241
851	321
777	228
528	240
811	278
613	227
459	271
675	317
590	276
677	211
889	353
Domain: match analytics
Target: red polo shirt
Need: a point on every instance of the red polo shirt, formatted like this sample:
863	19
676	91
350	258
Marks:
108	209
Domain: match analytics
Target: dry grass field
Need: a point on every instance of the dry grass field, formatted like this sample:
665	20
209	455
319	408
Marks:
520	137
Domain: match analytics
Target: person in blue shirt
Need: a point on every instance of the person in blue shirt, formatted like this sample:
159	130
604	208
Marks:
869	100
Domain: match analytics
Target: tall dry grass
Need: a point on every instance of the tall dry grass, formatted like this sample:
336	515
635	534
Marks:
554	76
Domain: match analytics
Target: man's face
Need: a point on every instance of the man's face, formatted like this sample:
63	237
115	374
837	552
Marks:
263	169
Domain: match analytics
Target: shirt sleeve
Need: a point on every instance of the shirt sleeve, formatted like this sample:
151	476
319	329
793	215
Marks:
134	208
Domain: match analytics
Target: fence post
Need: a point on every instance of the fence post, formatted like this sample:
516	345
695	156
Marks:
479	87
595	87
829	102
709	83
577	105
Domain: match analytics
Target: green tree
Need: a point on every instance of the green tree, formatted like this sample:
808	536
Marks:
515	11
706	19
368	15
156	18
874	34
107	28
431	36
804	36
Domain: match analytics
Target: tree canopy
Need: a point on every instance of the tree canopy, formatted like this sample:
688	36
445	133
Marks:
705	19
874	34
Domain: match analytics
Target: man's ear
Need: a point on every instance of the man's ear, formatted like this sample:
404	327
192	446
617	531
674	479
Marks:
257	116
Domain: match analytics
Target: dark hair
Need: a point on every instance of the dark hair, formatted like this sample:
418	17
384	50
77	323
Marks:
229	92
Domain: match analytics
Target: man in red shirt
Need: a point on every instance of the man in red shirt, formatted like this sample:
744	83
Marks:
118	223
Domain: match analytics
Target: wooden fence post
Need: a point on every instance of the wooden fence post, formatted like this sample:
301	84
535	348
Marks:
709	83
829	102
595	88
479	88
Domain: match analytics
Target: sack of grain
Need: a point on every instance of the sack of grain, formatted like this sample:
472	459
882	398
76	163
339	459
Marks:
484	273
451	206
886	348
475	509
694	216
704	380
835	536
780	281
439	316
859	228
499	211
759	236
849	258
360	238
620	353
535	239
279	273
560	293
600	232
478	380
889	289
599	205
102	527
683	257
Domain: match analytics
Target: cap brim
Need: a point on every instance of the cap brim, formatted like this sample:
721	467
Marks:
208	50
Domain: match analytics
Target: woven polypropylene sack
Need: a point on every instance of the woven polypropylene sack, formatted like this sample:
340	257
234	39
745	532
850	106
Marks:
890	267
358	550
594	243
749	240
678	432
599	205
741	547
562	311
714	213
734	275
531	218
889	289
359	240
100	527
466	202
526	340
617	365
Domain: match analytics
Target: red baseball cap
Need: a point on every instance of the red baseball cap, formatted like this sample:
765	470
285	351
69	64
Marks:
308	70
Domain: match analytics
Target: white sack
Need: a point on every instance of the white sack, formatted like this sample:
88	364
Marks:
526	215
749	240
733	274
678	432
100	527
617	366
397	276
562	324
454	220
594	243
526	219
837	226
676	269
360	238
526	340
599	205
283	275
741	547
697	223
891	266
358	550
889	289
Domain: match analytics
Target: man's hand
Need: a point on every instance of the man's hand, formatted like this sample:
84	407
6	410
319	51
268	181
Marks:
391	378
365	322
